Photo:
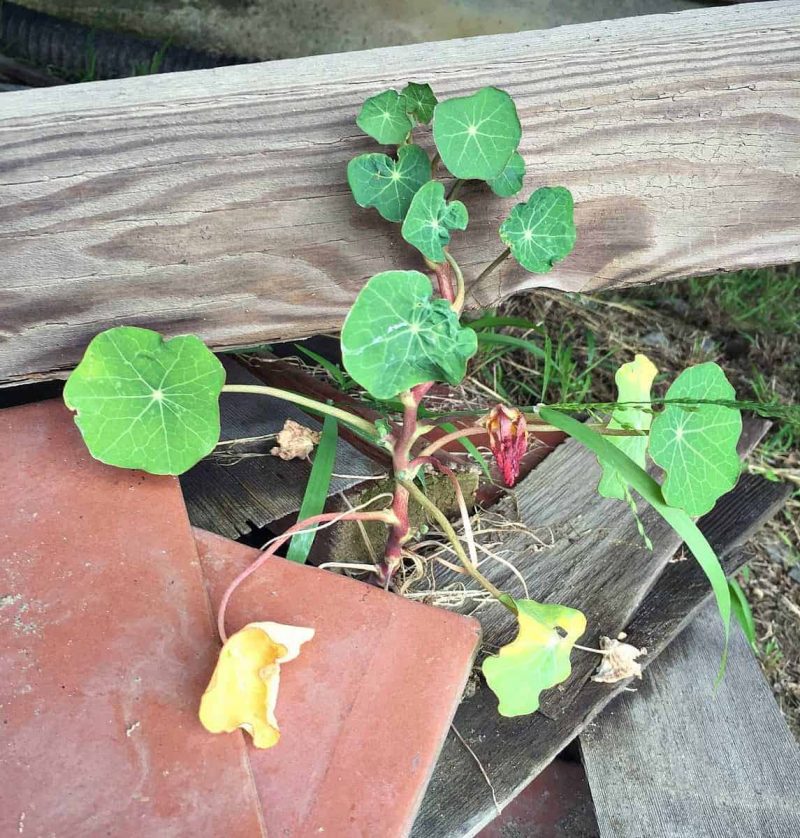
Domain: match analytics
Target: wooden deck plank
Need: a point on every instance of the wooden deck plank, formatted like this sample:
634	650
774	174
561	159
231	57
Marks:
595	563
215	202
681	759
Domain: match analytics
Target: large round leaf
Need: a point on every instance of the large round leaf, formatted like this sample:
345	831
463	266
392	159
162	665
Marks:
384	118
541	231
476	135
396	336
145	402
430	219
389	185
695	443
509	181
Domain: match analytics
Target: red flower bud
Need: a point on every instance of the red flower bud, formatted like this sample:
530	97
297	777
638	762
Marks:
508	439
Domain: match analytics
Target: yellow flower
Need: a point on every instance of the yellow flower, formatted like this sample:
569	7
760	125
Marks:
244	687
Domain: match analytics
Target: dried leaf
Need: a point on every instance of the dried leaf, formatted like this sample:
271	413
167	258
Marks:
243	690
619	662
295	441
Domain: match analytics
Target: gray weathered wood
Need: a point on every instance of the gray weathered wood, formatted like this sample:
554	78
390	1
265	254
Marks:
215	202
231	497
680	759
596	563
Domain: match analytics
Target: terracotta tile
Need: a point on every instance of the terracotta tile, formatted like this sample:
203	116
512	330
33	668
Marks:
105	648
364	710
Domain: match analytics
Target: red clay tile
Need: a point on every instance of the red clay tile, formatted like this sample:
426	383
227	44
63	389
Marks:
363	711
107	646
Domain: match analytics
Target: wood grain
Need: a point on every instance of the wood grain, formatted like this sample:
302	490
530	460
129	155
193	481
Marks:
682	759
215	202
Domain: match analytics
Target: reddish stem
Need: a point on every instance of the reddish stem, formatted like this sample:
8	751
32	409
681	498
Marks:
444	275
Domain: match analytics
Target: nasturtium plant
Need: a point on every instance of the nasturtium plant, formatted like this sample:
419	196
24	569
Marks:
509	181
145	402
694	439
430	220
541	231
397	335
376	180
385	118
537	659
419	101
476	135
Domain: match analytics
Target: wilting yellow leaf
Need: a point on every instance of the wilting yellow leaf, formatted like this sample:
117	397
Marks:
243	690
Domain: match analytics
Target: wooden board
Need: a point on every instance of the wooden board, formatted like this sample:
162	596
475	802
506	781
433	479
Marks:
215	202
683	759
595	563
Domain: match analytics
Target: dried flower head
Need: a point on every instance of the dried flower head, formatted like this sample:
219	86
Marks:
508	439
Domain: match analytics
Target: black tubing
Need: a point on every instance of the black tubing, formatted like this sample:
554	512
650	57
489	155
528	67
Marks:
82	53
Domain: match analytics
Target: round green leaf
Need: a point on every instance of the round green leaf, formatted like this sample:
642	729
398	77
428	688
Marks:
430	219
541	231
396	336
476	135
419	101
509	181
695	444
389	185
537	659
145	402
384	118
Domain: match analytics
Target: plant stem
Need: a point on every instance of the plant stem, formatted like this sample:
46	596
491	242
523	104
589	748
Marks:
384	515
455	188
443	277
498	261
303	401
458	301
473	430
435	162
441	519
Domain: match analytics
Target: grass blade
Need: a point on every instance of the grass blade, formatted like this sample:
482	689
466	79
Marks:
741	610
316	490
470	447
492	338
491	321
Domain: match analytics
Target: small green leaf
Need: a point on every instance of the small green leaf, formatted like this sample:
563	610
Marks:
634	381
316	492
430	219
509	181
389	185
695	444
541	231
537	659
419	101
384	118
145	402
476	135
397	336
743	613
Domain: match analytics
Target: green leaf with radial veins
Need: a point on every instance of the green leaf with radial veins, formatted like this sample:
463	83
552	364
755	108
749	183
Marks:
541	231
476	135
537	659
430	219
419	101
396	336
389	185
509	181
695	444
145	402
384	118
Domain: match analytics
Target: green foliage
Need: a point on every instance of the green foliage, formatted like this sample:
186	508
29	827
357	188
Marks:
376	180
537	659
419	101
634	381
476	135
396	336
145	402
743	613
695	443
641	482
509	181
430	219
316	490
384	118
541	231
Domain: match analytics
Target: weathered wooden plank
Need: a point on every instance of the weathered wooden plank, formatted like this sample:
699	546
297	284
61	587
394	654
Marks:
682	759
576	572
215	202
230	496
